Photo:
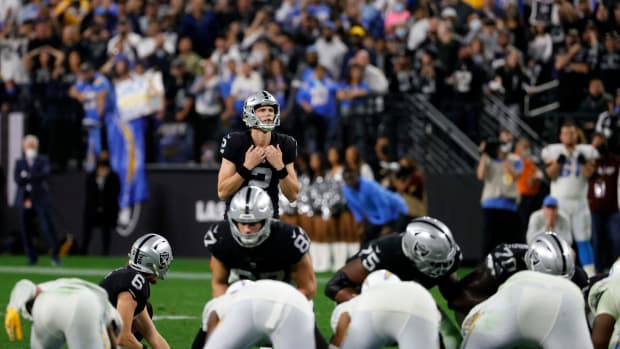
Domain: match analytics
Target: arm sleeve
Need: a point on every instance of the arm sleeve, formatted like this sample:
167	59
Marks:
289	153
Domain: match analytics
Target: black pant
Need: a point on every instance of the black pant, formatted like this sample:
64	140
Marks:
500	226
106	232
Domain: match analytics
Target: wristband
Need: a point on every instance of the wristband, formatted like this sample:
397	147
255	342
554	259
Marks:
244	172
281	174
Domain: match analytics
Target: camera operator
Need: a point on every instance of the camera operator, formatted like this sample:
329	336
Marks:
498	169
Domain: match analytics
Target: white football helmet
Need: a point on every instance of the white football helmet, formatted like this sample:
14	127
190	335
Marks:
378	277
251	204
151	254
256	100
429	244
549	254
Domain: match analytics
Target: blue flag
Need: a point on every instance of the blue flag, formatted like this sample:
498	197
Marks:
127	158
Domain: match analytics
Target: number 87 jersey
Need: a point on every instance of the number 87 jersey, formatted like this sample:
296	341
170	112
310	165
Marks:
272	259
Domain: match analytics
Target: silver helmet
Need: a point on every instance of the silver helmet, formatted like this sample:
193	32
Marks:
256	100
250	205
430	245
549	254
151	254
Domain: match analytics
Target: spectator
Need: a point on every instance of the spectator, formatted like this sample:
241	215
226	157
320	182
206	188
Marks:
353	116
125	42
510	80
382	211
102	191
528	183
150	42
95	39
32	200
318	102
375	78
207	91
331	50
191	60
540	50
353	160
597	100
607	124
200	26
609	64
568	166
244	84
223	53
603	200
499	169
570	62
430	77
179	98
549	218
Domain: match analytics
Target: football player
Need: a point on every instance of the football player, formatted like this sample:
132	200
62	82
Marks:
250	312
604	302
259	156
569	165
531	308
129	289
547	253
71	311
426	253
387	312
252	245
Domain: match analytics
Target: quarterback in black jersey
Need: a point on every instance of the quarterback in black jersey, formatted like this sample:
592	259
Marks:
426	253
129	289
548	253
259	156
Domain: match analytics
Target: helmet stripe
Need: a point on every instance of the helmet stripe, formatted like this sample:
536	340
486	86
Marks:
248	194
557	241
432	224
146	238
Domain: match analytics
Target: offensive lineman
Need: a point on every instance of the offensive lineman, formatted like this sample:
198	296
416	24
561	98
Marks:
569	165
604	302
252	311
259	156
530	308
71	311
129	289
507	259
387	311
426	253
252	245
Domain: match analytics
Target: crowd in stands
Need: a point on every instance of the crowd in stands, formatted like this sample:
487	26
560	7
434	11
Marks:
325	61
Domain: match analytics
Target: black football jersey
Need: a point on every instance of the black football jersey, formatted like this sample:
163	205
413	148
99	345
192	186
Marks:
236	144
130	280
272	259
387	253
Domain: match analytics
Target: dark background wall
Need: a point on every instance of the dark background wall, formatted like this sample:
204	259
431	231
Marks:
184	203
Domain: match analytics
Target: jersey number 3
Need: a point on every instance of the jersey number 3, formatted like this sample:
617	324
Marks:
264	174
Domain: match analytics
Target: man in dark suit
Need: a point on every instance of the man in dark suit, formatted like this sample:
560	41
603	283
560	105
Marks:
33	200
103	188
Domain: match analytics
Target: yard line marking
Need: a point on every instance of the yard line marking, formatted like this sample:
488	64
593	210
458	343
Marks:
64	271
174	317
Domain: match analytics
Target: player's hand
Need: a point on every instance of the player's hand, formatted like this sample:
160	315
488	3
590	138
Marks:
253	157
12	324
581	159
274	156
561	159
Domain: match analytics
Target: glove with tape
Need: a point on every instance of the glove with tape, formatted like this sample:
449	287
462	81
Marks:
12	324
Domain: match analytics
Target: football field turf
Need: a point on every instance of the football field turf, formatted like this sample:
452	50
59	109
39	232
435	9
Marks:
177	301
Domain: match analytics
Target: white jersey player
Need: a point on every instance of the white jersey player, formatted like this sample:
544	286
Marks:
604	302
530	309
387	312
569	165
263	310
71	311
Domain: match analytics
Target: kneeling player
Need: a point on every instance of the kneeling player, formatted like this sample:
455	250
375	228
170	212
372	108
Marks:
258	310
129	289
387	311
71	311
531	308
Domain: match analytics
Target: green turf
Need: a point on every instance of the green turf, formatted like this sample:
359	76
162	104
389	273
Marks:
169	297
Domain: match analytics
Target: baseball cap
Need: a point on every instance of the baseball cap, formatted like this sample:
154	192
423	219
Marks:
357	30
448	12
550	201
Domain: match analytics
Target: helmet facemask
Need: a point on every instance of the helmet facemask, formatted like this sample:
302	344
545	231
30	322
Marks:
250	205
255	101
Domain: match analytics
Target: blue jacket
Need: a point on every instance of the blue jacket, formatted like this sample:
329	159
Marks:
34	176
373	202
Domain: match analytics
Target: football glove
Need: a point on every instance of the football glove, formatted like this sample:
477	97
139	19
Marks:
581	159
12	324
561	159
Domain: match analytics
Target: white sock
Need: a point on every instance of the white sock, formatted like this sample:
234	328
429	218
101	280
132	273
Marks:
352	248
339	252
314	255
